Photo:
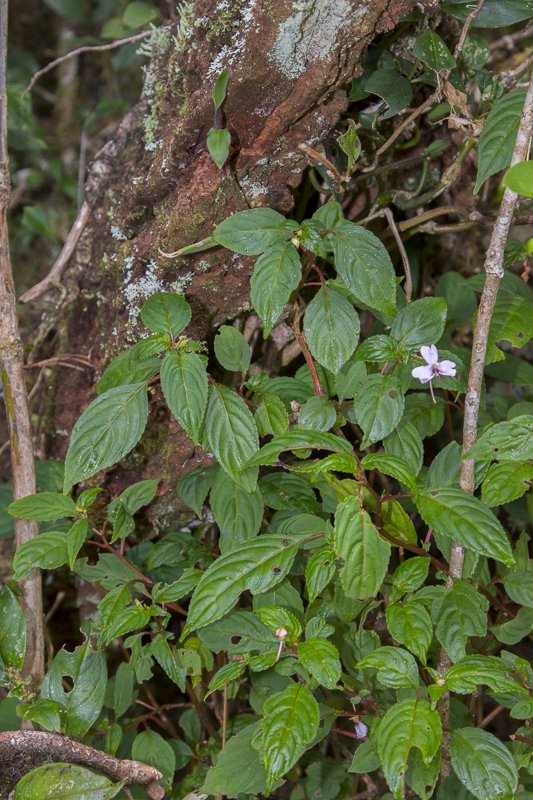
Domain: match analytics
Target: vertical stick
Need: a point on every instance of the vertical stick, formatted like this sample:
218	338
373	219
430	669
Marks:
494	273
15	397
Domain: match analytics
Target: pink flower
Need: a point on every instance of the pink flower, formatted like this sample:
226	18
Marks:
434	368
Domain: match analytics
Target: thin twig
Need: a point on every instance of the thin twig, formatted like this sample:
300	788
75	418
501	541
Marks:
490	716
63	258
15	396
87	48
300	338
405	260
494	273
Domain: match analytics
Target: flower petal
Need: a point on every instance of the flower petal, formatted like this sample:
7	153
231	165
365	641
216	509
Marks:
447	368
423	374
429	354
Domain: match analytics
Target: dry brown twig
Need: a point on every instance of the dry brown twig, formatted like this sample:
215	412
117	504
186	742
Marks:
53	746
63	258
88	48
15	396
494	273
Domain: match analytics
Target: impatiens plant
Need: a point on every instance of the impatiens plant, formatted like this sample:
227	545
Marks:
344	609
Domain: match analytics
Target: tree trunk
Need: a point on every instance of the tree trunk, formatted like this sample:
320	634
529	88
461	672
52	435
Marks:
155	186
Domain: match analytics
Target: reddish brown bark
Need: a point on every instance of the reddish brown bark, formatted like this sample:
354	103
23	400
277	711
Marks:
155	185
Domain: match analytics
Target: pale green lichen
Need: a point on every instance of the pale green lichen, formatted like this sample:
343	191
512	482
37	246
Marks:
309	34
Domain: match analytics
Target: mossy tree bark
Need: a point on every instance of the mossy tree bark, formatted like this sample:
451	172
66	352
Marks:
155	185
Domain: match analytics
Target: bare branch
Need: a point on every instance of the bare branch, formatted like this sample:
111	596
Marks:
15	396
494	273
88	48
54	747
63	258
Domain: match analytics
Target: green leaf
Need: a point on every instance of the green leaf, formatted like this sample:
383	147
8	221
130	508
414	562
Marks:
238	770
82	704
271	417
410	624
506	482
465	519
419	323
321	658
44	712
433	52
350	145
498	136
43	506
12	631
256	567
231	434
232	350
519	587
276	275
331	328
226	674
461	612
408	724
184	385
138	14
289	726
218	143
409	576
378	407
166	313
220	88
390	465
364	266
319	571
194	487
253	231
298	439
472	671
48	551
516	629
123	689
318	414
483	764
150	748
365	553
61	781
395	667
365	759
121	370
107	430
275	617
170	592
493	14
512	321
75	540
511	440
238	513
392	87
520	178
426	416
168	658
405	443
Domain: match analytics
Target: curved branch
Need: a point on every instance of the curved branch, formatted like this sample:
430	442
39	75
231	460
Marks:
54	746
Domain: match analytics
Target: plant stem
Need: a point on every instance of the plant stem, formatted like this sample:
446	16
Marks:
15	396
494	273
